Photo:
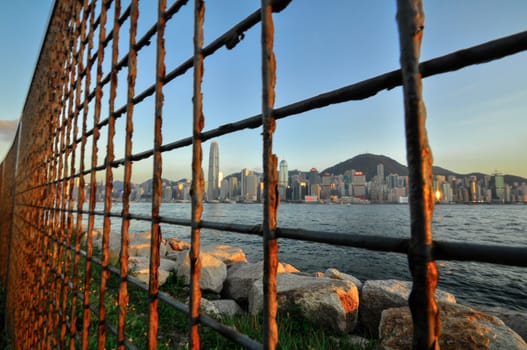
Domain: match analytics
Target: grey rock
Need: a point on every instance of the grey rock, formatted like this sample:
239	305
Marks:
213	272
240	278
461	328
336	274
379	295
328	302
221	307
516	320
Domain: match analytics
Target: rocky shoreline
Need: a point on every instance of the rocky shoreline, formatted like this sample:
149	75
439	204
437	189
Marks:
331	299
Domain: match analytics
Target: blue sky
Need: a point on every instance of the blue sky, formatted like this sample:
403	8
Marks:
477	117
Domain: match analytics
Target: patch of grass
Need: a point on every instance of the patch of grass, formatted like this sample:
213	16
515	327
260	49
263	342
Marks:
295	331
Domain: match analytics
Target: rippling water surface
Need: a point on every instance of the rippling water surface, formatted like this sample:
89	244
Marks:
474	283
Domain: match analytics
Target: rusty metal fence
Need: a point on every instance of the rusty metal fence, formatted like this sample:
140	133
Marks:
43	266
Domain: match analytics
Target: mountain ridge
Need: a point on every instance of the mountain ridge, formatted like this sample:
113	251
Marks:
367	163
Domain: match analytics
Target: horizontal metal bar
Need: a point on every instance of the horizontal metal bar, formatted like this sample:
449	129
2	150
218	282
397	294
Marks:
495	254
491	50
441	250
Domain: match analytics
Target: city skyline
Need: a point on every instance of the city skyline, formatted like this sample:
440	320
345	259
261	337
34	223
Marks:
363	185
283	168
475	116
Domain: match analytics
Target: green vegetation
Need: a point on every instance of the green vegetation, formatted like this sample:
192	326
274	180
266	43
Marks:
295	332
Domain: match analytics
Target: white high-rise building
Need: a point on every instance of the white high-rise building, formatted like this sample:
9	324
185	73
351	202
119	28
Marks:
243	182
283	180
214	172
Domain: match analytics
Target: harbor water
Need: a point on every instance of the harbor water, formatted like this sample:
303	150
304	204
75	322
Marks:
471	283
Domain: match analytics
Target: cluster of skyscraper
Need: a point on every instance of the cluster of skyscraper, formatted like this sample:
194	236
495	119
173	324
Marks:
350	187
482	189
244	187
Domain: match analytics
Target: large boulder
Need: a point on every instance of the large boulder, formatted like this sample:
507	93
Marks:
141	264
139	244
226	253
516	320
139	267
221	307
241	276
175	245
461	328
177	256
145	277
213	272
336	274
379	295
114	248
330	303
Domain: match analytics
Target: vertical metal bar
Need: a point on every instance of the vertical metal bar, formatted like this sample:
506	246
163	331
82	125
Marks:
74	101
81	199
197	176
105	273
93	174
425	314
270	178
61	199
132	73
58	83
153	285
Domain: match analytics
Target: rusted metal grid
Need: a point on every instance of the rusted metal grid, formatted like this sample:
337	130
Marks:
49	274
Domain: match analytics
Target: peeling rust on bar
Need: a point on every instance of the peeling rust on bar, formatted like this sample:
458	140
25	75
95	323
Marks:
127	188
93	176
198	182
270	165
153	285
105	275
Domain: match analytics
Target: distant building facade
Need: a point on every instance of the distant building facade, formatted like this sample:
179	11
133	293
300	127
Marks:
213	184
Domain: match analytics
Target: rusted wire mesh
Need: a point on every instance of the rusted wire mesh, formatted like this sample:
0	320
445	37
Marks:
66	141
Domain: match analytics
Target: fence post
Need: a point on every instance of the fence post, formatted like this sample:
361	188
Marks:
198	182
270	164
425	314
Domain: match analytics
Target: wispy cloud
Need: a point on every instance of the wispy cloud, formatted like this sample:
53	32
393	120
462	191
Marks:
7	130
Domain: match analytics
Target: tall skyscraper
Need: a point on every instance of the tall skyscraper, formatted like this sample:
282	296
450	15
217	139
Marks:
283	174
499	186
283	180
243	183
380	172
214	172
